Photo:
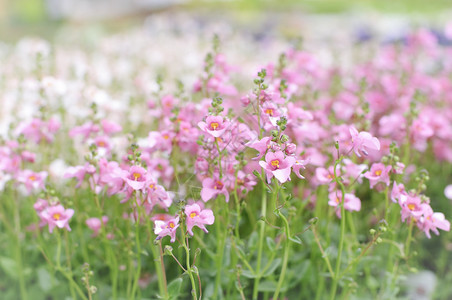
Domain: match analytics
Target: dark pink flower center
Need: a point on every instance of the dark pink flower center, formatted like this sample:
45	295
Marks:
218	185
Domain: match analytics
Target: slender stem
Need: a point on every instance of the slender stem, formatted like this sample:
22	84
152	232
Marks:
357	259
18	233
408	239
341	243
327	260
161	273
219	158
138	255
261	241
72	282
111	257
189	269
237	208
221	239
68	261
286	255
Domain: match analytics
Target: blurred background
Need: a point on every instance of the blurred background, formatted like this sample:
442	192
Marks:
44	18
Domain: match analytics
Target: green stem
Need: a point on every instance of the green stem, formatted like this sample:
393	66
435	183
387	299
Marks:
219	158
261	240
23	290
341	243
237	208
408	239
286	255
189	269
68	261
221	239
324	255
111	257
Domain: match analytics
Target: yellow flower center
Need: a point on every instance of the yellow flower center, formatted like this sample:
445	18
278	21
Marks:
57	216
192	215
136	176
411	206
151	186
214	125
101	144
32	177
166	136
171	225
275	163
378	172
269	111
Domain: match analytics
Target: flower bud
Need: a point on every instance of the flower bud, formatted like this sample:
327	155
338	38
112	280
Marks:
291	148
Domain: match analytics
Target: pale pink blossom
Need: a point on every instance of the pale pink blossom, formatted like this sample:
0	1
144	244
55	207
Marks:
363	141
278	165
195	216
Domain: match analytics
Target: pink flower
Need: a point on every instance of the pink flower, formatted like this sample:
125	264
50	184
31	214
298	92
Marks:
212	187
277	165
398	193
136	178
411	208
40	205
198	217
378	173
85	130
156	194
325	176
432	221
57	216
95	224
110	127
262	146
33	180
103	145
214	125
161	140
363	141
352	203
297	166
166	227
79	172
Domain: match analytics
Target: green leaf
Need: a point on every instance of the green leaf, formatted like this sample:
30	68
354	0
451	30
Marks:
248	274
252	242
44	279
174	288
296	240
275	264
271	244
10	267
267	286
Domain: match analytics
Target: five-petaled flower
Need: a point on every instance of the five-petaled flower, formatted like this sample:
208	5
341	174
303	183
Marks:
195	216
166	227
278	165
214	125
